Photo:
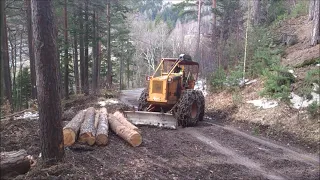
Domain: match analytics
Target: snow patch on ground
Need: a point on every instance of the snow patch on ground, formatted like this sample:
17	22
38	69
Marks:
108	102
264	103
298	102
292	72
251	82
302	102
29	115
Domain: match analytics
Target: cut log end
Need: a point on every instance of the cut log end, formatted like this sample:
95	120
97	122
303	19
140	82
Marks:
71	130
69	137
135	140
87	138
102	140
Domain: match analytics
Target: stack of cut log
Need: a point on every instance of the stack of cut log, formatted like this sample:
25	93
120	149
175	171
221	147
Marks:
91	126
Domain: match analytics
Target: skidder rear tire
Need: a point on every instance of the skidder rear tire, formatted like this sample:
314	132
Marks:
188	108
143	103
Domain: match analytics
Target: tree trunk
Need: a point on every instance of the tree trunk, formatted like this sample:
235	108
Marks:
2	14
56	31
256	12
14	163
199	31
31	51
71	130
129	135
95	59
81	37
88	130
214	24
99	53
13	45
61	88
121	67
86	51
5	58
120	117
128	72
75	60
311	9
20	70
315	36
66	59
109	75
103	128
51	137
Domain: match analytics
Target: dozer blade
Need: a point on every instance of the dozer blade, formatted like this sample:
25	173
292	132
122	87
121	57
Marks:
164	120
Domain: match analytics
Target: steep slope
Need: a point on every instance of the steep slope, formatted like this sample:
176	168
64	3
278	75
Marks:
282	122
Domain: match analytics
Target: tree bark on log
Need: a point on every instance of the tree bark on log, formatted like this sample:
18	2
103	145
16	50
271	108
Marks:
129	135
14	163
87	130
71	130
120	117
96	119
103	128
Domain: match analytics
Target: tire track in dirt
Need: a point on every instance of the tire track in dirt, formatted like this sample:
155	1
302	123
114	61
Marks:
299	156
233	156
292	154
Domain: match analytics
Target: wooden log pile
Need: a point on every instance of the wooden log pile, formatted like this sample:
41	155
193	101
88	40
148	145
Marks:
91	126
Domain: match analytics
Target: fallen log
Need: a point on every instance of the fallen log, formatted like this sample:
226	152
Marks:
15	162
71	130
131	136
103	128
87	130
120	117
96	119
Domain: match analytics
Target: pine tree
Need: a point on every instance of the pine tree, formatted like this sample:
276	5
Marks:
51	137
6	75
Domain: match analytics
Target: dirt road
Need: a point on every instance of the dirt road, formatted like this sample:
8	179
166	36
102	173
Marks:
208	151
220	152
